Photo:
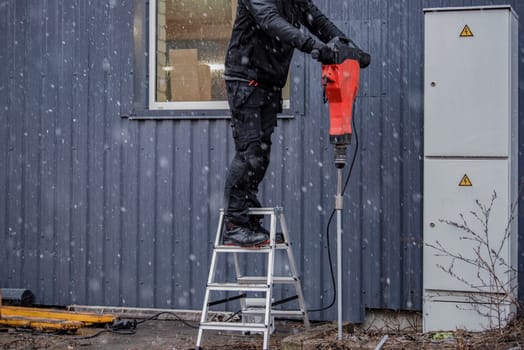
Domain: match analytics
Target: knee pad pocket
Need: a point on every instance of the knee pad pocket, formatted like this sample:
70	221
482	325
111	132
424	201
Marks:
254	155
246	128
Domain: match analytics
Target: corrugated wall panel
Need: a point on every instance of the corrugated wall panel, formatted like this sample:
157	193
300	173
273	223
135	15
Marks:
129	279
48	150
113	157
183	213
410	236
99	209
164	206
63	134
32	114
4	131
147	182
15	125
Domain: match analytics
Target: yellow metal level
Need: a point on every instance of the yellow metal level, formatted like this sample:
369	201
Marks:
86	318
40	323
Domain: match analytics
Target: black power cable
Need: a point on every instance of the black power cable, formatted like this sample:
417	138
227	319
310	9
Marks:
127	326
178	318
352	164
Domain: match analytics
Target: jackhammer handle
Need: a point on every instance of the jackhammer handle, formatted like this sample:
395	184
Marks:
353	51
364	59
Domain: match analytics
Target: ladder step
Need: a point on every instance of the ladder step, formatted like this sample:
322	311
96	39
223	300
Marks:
239	287
236	249
264	211
229	326
255	302
263	279
282	313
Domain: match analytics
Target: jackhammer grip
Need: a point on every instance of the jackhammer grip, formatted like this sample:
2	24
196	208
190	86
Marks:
364	60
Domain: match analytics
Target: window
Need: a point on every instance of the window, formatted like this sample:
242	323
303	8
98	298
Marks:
187	44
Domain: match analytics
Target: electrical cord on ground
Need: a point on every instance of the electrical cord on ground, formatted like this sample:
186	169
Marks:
233	315
128	327
352	164
178	318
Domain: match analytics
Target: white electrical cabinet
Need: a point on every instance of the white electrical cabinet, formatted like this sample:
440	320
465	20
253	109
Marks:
470	166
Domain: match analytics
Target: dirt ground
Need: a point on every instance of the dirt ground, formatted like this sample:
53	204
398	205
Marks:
175	335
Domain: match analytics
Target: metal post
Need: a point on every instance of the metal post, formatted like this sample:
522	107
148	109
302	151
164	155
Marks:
338	207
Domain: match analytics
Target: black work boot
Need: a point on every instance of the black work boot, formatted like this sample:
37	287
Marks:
255	225
243	236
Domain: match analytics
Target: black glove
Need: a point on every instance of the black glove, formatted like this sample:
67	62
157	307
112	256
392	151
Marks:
344	40
364	58
325	54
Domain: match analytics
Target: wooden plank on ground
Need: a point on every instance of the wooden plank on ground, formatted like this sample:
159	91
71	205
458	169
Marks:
85	317
40	323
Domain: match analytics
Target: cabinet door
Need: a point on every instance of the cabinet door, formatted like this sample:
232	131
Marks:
446	199
467	83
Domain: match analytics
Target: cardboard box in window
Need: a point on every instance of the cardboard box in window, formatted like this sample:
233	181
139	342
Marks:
185	83
190	81
204	79
183	56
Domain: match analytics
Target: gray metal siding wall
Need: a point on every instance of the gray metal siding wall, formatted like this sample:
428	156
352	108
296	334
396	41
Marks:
98	209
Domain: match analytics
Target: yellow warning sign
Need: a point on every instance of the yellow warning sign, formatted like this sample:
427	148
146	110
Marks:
466	31
465	181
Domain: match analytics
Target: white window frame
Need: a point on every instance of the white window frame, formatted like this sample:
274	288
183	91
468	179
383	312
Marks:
171	105
153	104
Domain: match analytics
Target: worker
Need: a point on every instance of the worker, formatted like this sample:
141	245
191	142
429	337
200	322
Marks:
264	36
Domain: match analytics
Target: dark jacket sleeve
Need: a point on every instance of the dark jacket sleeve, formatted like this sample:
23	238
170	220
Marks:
267	16
317	23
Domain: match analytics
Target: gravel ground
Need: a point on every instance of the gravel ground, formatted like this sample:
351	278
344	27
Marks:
151	335
168	334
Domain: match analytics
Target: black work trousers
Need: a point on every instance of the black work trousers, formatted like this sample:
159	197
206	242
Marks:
253	119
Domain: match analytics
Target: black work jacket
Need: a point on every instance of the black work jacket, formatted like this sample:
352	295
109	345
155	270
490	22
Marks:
265	33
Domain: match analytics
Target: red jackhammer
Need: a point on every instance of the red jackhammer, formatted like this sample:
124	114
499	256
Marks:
340	81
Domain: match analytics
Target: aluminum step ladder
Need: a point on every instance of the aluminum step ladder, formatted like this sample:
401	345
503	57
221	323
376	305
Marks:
258	313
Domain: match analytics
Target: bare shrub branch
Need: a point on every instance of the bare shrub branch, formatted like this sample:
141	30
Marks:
495	284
